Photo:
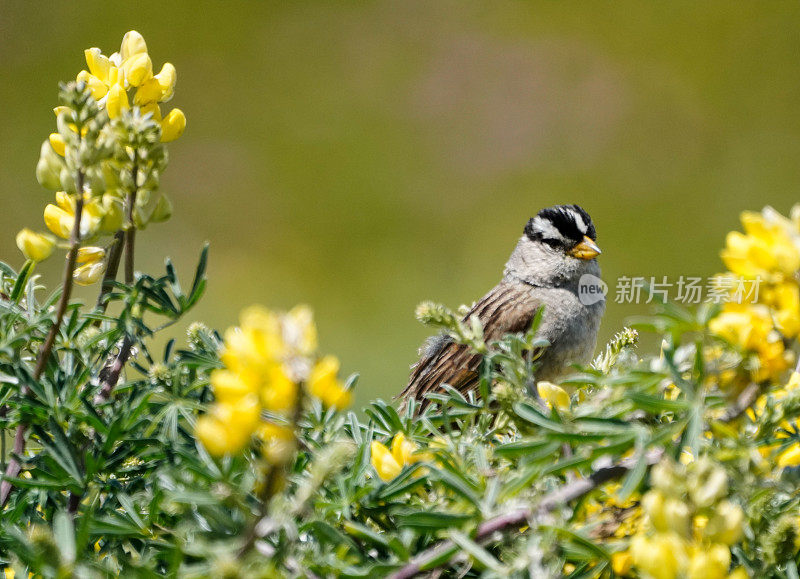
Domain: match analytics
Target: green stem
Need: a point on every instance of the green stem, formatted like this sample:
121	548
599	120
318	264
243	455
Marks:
13	468
112	267
130	232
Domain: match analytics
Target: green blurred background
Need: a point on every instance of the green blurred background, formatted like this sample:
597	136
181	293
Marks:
365	156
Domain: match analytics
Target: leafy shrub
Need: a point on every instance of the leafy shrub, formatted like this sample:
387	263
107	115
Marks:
235	455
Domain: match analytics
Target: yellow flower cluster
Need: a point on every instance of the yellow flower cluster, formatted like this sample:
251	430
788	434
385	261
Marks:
389	463
691	525
767	255
267	359
109	80
111	77
787	456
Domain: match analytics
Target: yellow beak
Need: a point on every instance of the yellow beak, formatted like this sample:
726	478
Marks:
586	249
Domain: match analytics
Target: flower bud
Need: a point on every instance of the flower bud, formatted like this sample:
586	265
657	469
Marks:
90	273
117	101
278	443
653	504
710	563
173	125
35	246
62	110
662	556
725	525
67	180
677	516
162	211
113	214
58	144
137	69
707	483
48	169
664	477
132	43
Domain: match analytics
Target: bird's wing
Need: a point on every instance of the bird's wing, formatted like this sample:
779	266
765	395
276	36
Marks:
506	309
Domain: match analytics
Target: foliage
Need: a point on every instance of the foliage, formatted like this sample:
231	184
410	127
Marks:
235	455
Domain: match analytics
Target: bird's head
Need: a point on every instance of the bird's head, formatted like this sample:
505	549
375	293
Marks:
566	229
558	246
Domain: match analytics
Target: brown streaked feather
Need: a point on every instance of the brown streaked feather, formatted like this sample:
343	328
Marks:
505	309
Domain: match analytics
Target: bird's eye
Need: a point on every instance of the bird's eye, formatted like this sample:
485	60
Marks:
553	242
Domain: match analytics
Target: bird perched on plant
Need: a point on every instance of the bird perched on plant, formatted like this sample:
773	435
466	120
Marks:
553	266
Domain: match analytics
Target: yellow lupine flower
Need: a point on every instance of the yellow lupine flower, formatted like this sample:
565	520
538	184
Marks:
98	64
58	144
173	125
58	221
554	395
61	217
744	325
132	43
98	87
621	562
765	250
299	331
91	265
709	562
662	556
89	273
785	298
227	428
117	101
278	443
384	462
403	449
35	246
138	69
152	109
790	457
90	255
149	92
324	384
167	79
229	386
279	392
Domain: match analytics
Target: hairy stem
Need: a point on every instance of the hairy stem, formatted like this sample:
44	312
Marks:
14	466
112	267
437	555
130	232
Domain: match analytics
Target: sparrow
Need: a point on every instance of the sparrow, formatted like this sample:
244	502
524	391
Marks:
553	266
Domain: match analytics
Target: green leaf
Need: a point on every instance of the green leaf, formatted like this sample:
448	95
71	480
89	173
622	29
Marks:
22	279
64	534
432	520
529	413
475	551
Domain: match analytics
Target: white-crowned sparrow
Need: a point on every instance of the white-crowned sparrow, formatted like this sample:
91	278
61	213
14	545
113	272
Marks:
553	266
